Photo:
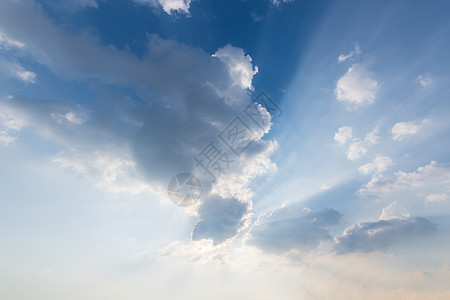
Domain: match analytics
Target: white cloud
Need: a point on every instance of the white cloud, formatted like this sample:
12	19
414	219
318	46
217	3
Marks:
9	123
325	187
6	139
169	6
406	129
278	2
438	197
15	70
239	65
424	80
372	137
114	174
25	76
175	5
394	210
236	183
70	117
343	135
352	53
8	66
356	150
357	147
357	87
7	43
434	176
379	165
10	120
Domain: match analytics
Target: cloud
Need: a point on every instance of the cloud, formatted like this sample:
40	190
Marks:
357	87
434	176
343	135
424	80
357	147
372	137
406	129
438	197
69	117
169	6
195	252
256	18
356	150
352	53
7	43
236	182
15	70
5	138
221	219
86	3
394	210
183	99
379	165
239	65
379	235
278	2
175	5
9	123
10	120
9	67
110	172
288	229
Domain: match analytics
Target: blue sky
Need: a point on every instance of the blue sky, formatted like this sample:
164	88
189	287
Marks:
344	195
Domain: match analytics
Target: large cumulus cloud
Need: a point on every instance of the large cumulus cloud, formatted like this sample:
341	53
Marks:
151	116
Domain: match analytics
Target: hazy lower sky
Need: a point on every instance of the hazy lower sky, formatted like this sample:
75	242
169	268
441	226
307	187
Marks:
238	149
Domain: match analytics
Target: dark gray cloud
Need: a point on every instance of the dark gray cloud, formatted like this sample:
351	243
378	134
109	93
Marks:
220	219
287	230
378	235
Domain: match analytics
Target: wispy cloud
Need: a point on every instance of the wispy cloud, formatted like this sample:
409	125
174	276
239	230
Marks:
350	55
278	2
15	70
424	80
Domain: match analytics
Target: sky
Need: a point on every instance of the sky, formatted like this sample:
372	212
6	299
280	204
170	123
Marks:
239	149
